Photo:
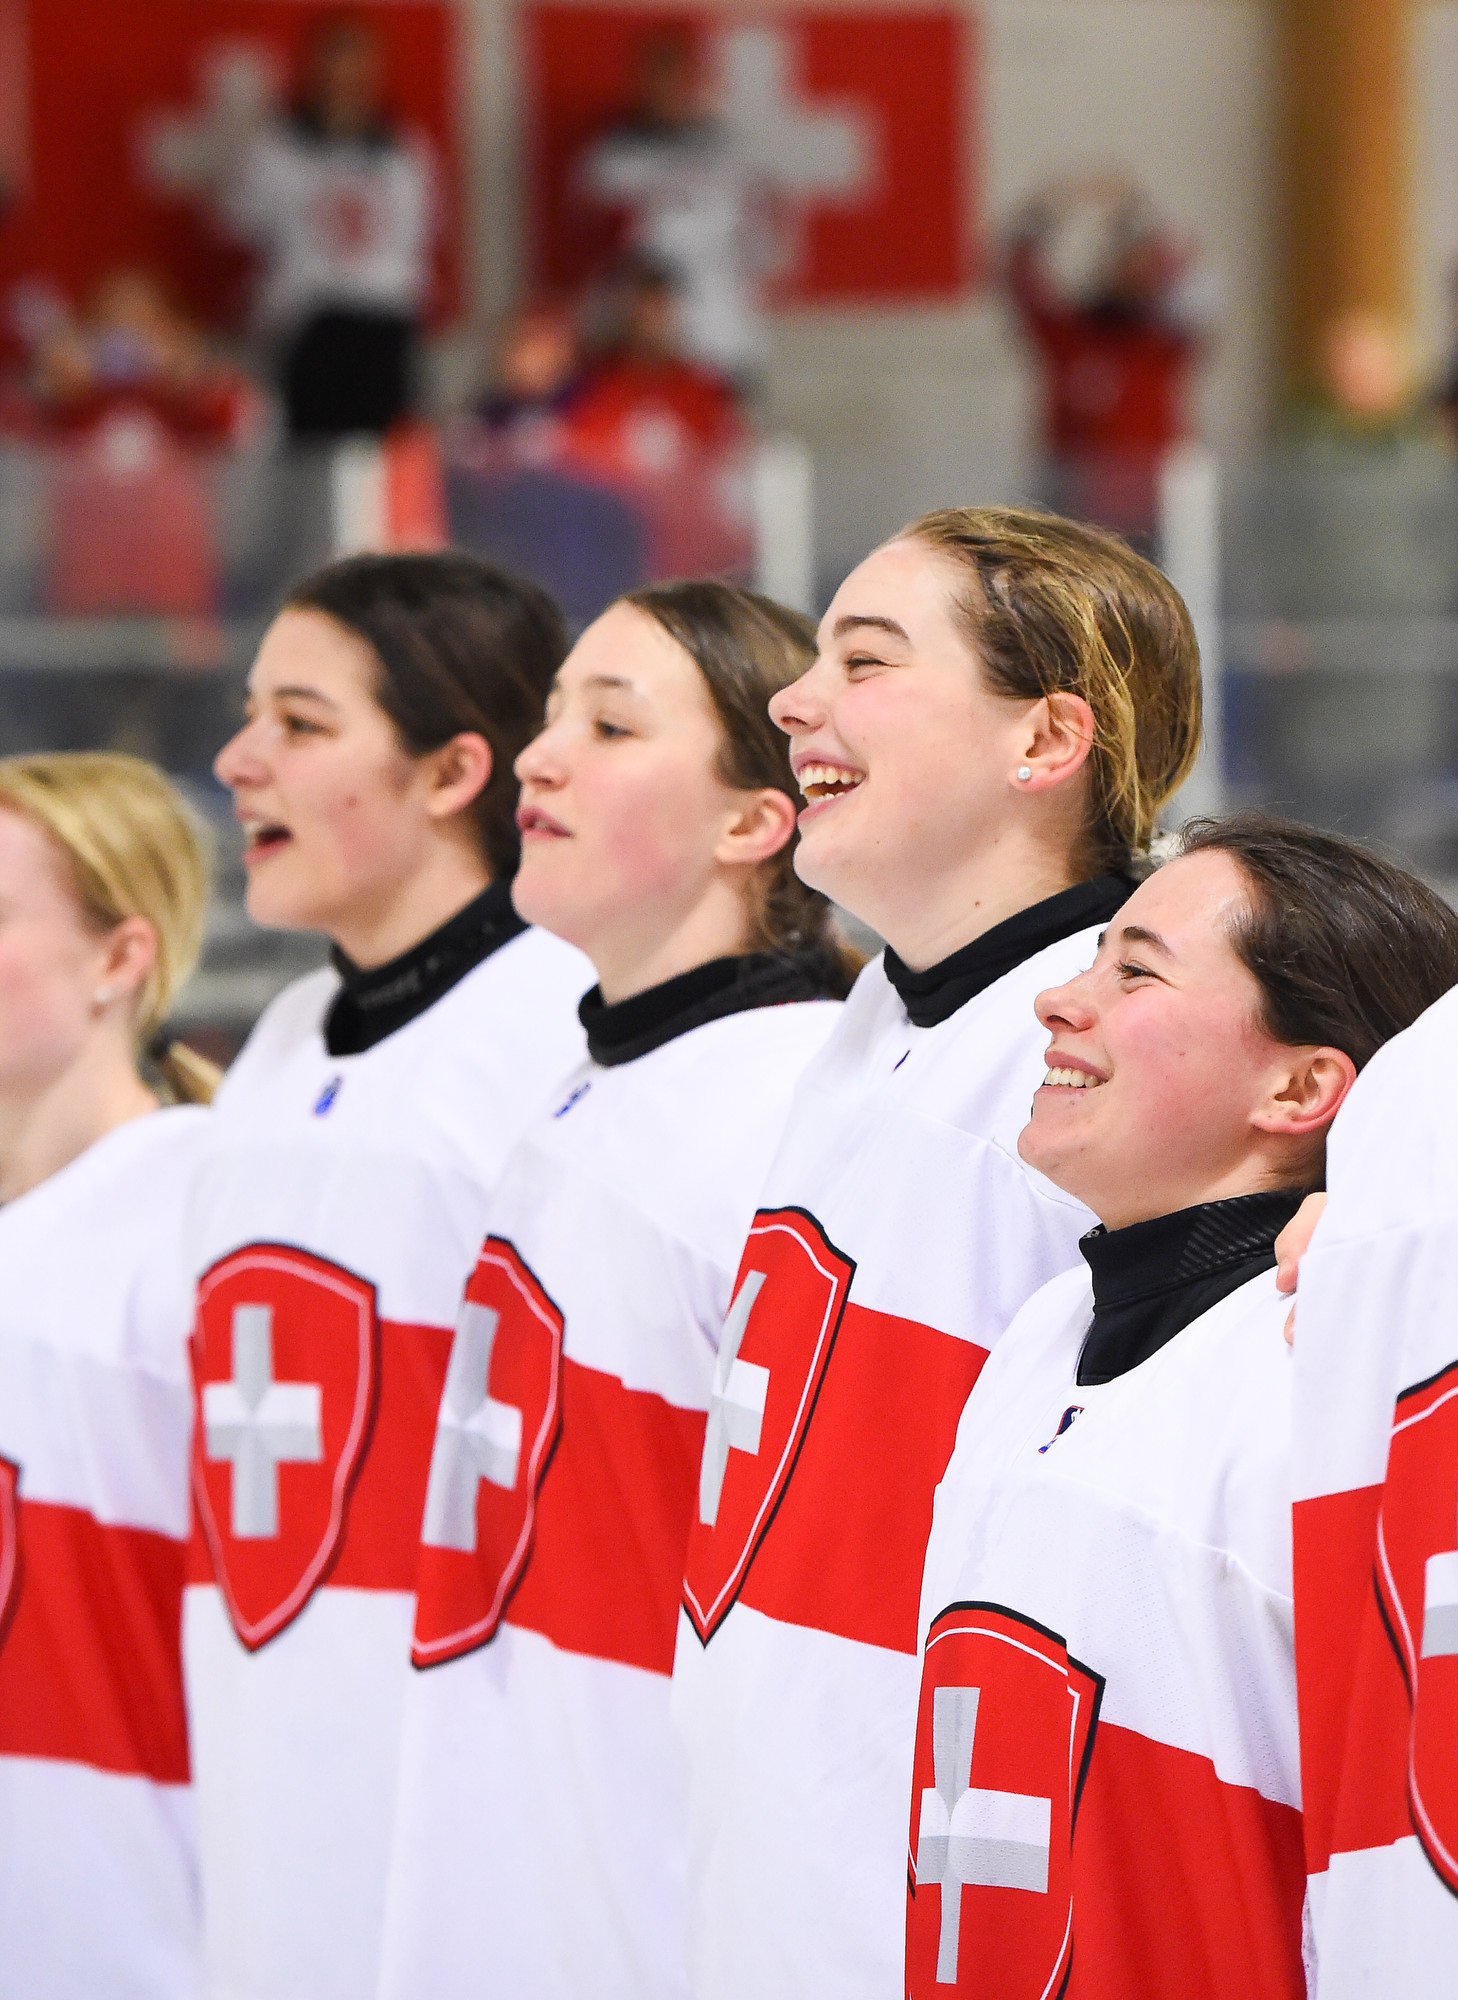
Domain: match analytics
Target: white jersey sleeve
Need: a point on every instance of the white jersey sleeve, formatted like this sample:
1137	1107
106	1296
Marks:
541	1831
98	1864
1377	1531
898	1233
337	1213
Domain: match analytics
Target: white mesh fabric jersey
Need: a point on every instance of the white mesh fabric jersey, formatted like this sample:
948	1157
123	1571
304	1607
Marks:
336	1216
98	1867
1106	1768
1377	1531
541	1831
898	1232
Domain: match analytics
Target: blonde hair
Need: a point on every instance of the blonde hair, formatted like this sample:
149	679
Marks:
1055	606
133	849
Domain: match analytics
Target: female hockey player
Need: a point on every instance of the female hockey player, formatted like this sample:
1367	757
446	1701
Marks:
103	887
539	1849
337	1214
1106	1772
1376	1527
1001	703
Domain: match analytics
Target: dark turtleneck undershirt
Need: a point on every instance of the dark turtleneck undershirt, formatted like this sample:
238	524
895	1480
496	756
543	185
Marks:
635	1027
373	1001
933	996
1153	1279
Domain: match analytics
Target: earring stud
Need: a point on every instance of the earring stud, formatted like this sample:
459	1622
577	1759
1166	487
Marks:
1025	771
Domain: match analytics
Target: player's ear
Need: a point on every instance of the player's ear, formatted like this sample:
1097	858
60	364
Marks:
126	957
1306	1091
758	826
456	773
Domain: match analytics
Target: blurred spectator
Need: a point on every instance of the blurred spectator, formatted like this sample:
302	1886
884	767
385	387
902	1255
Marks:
1108	299
643	406
692	201
1363	391
133	351
536	375
342	207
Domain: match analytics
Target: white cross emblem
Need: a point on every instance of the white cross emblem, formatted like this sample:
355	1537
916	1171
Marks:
736	1401
825	152
967	1837
476	1437
260	1424
1440	1604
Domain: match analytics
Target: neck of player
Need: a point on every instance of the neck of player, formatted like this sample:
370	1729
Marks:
46	1121
380	926
927	920
643	947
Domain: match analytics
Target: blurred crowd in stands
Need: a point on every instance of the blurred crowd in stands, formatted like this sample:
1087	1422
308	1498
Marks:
608	435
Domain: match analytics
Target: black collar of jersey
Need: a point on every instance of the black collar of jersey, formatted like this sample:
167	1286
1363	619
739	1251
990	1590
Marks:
934	996
1153	1279
373	1001
635	1027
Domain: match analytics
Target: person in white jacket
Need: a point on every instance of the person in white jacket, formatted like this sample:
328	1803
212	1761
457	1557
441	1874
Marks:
337	1212
1106	1794
103	890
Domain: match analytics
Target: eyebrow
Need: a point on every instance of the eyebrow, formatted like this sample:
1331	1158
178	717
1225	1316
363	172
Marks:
855	620
298	694
1136	934
616	681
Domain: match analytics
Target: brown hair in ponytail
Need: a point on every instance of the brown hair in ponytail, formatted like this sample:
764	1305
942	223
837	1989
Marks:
747	647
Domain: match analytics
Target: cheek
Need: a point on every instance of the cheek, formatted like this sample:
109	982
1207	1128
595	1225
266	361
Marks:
646	839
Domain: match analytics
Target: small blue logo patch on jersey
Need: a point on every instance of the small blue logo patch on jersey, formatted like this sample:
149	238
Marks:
899	1061
578	1094
1065	1422
327	1095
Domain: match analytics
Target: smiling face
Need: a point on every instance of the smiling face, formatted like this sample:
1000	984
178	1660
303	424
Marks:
631	842
1163	1087
51	963
907	759
335	814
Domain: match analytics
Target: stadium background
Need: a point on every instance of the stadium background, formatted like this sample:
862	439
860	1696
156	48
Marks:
1294	162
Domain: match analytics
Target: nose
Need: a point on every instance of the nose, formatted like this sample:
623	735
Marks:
801	706
1069	1006
541	762
240	761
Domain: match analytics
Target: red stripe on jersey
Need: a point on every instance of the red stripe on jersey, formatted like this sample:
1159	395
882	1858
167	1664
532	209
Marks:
91	1661
612	1523
381	1536
1354	1706
1184	1888
845	1550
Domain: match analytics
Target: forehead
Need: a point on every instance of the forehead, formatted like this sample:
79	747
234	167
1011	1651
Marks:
627	651
1191	902
30	857
906	581
307	648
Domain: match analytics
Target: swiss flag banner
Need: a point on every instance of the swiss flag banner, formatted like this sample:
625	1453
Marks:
856	119
109	88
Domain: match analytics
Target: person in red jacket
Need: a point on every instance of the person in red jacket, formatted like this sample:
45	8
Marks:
1104	295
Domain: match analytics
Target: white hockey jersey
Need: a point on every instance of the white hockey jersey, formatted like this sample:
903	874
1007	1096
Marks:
897	1235
1377	1532
1106	1790
336	1216
540	1842
98	1866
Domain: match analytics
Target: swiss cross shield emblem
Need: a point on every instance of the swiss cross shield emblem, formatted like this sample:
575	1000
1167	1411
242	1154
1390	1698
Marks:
1003	1740
499	1417
9	1542
285	1366
1417	1582
777	1341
